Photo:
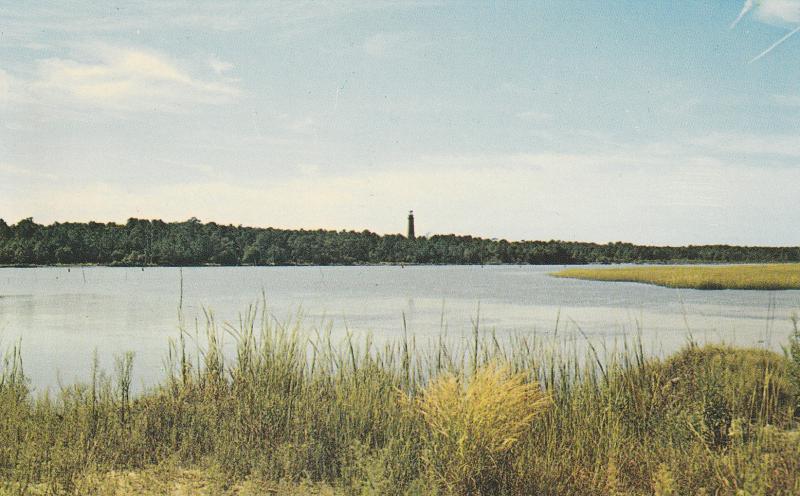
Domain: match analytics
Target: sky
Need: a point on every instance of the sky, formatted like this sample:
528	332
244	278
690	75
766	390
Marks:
672	122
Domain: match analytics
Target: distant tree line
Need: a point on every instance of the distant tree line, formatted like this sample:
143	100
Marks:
155	242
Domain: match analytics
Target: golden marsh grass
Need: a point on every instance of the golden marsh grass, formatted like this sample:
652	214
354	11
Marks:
760	276
473	428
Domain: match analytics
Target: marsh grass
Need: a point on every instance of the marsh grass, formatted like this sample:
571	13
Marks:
473	428
762	276
293	409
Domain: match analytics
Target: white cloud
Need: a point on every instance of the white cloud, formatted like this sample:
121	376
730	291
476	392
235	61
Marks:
124	78
778	11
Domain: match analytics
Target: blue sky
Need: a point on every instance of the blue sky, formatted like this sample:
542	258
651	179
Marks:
651	122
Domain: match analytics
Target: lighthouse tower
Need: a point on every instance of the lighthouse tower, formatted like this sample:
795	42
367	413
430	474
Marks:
411	225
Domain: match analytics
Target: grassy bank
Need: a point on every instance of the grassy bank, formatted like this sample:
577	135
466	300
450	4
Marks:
293	414
762	276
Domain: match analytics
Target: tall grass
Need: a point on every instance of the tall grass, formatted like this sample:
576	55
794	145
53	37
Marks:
761	276
473	428
477	416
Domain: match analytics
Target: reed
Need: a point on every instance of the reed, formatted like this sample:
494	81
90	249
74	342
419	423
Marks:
760	277
298	411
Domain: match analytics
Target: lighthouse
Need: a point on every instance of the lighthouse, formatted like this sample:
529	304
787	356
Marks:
411	225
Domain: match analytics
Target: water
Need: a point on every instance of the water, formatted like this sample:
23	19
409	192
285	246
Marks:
62	314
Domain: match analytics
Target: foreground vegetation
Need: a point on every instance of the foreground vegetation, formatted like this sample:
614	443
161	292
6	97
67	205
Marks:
154	242
296	415
765	276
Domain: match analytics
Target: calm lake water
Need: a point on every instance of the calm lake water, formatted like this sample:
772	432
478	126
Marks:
62	315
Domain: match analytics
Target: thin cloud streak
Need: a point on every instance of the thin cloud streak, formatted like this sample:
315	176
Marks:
775	45
747	7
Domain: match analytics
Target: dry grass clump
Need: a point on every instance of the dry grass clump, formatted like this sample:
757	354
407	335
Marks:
760	276
474	425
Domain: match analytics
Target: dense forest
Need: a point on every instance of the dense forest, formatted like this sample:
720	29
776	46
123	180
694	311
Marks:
154	242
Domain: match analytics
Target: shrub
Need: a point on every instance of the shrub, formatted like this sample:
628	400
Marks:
724	383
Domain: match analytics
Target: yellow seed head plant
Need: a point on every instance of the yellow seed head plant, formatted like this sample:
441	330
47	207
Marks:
474	426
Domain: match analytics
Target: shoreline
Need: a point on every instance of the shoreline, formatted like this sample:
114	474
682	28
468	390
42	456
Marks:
674	263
